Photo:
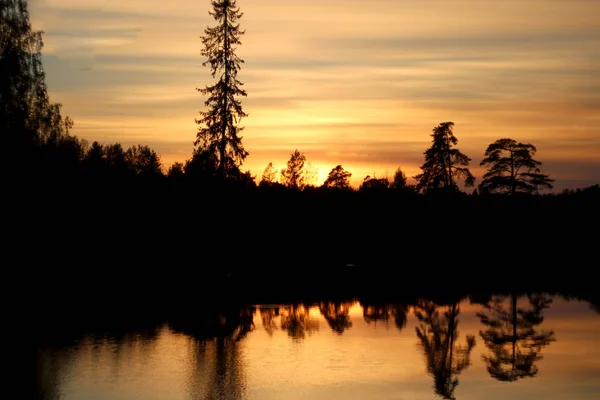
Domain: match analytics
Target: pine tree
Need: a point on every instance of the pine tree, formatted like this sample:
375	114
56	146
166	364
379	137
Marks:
218	132
512	168
443	163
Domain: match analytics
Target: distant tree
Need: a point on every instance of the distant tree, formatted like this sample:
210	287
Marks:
443	163
269	176
399	181
175	171
293	175
218	126
114	155
512	168
373	183
338	178
143	160
116	161
94	162
63	154
311	174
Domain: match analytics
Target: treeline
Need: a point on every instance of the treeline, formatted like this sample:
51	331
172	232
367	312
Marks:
60	161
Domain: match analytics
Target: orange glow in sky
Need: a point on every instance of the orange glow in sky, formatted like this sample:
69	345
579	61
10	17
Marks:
358	83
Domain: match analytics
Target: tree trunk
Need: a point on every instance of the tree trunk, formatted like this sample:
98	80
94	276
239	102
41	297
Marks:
224	122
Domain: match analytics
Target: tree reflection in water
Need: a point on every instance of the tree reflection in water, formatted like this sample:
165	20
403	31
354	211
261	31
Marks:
437	335
337	315
217	370
269	316
375	312
512	338
297	322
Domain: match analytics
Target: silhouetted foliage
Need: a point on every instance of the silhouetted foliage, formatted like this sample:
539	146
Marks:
293	176
311	174
443	163
176	171
144	161
202	165
338	178
437	336
399	180
32	130
93	161
512	338
117	162
218	132
374	184
269	176
24	100
512	168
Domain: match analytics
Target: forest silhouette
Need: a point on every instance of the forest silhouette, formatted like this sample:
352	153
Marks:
106	216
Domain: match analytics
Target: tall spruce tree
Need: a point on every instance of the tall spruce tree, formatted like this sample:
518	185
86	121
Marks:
218	132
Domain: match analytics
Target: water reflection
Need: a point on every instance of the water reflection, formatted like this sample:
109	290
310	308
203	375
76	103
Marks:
438	334
214	353
337	315
216	370
269	317
374	312
297	321
107	350
512	337
49	366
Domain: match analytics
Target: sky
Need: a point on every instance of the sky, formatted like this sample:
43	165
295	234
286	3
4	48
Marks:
354	82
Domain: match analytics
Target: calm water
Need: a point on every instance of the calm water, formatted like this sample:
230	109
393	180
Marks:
548	349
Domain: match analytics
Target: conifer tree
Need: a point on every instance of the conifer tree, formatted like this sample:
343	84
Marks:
512	168
218	132
443	163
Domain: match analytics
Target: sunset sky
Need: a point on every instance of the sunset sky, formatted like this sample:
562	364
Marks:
354	82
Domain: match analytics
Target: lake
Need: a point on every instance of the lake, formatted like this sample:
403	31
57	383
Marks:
536	346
